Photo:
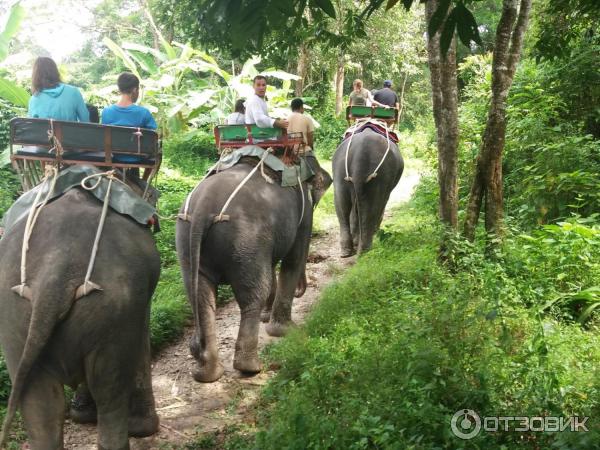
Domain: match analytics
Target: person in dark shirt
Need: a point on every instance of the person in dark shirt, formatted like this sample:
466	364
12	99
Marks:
94	114
386	96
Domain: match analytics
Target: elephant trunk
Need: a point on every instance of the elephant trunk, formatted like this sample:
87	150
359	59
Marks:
48	309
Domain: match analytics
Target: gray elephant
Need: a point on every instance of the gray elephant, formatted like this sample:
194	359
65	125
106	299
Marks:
53	339
363	178
267	224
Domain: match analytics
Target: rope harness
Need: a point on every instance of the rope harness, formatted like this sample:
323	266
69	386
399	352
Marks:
89	286
51	174
359	123
222	217
57	146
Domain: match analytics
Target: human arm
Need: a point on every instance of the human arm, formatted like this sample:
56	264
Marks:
310	132
31	107
373	101
256	112
280	123
149	122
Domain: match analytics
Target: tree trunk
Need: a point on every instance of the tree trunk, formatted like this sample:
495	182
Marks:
445	112
339	84
301	70
401	105
487	181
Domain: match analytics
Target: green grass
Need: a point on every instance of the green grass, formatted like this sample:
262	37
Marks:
400	344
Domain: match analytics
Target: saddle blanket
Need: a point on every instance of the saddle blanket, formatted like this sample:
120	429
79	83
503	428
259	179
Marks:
289	174
374	125
122	198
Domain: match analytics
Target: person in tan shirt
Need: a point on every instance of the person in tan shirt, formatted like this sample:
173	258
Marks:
299	123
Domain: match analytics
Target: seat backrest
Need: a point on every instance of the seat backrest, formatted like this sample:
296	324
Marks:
79	137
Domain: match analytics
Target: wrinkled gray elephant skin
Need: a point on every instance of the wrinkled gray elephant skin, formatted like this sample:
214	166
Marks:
267	225
360	201
101	339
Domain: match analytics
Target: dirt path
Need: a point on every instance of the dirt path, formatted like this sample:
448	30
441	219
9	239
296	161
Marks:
188	409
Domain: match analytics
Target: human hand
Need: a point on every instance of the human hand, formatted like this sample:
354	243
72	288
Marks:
281	123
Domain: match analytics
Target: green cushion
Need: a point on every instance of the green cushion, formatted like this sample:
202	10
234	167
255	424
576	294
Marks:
266	133
377	112
233	132
360	111
384	113
240	133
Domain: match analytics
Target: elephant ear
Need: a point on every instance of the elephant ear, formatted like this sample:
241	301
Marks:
320	183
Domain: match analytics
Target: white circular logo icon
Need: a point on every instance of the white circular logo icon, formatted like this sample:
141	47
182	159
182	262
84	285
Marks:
465	424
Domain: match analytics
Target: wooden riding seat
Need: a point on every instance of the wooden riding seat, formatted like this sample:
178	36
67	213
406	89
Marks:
36	142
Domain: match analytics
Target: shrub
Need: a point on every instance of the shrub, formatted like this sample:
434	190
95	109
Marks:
400	344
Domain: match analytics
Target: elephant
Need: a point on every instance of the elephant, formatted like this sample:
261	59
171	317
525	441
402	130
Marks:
53	338
266	224
361	188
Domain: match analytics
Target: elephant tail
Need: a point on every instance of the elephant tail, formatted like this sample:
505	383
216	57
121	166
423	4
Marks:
45	315
198	228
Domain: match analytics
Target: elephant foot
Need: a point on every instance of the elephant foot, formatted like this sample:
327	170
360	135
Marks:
209	373
247	365
265	316
347	252
301	286
83	408
143	426
277	329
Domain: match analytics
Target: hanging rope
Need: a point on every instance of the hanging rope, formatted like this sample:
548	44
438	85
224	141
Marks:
139	135
303	202
359	123
51	171
89	286
352	129
56	144
387	137
222	217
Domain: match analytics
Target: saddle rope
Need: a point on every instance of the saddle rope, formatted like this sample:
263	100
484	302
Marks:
186	207
353	129
222	217
50	171
89	286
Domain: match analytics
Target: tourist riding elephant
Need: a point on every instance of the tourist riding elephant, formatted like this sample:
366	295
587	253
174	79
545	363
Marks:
264	224
363	178
53	333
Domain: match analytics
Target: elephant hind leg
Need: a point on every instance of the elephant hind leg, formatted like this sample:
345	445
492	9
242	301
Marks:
43	409
265	315
203	344
110	376
143	420
343	196
251	292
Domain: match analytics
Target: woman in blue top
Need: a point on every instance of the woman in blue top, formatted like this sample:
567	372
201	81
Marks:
126	113
53	99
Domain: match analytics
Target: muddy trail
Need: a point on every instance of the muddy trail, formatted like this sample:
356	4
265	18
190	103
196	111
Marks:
187	409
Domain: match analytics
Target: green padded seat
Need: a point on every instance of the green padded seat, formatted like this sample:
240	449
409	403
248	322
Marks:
360	111
266	133
384	113
233	132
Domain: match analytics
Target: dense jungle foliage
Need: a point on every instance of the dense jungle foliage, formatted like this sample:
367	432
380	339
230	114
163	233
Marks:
401	342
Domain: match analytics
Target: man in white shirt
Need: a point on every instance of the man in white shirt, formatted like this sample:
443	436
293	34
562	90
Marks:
256	107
